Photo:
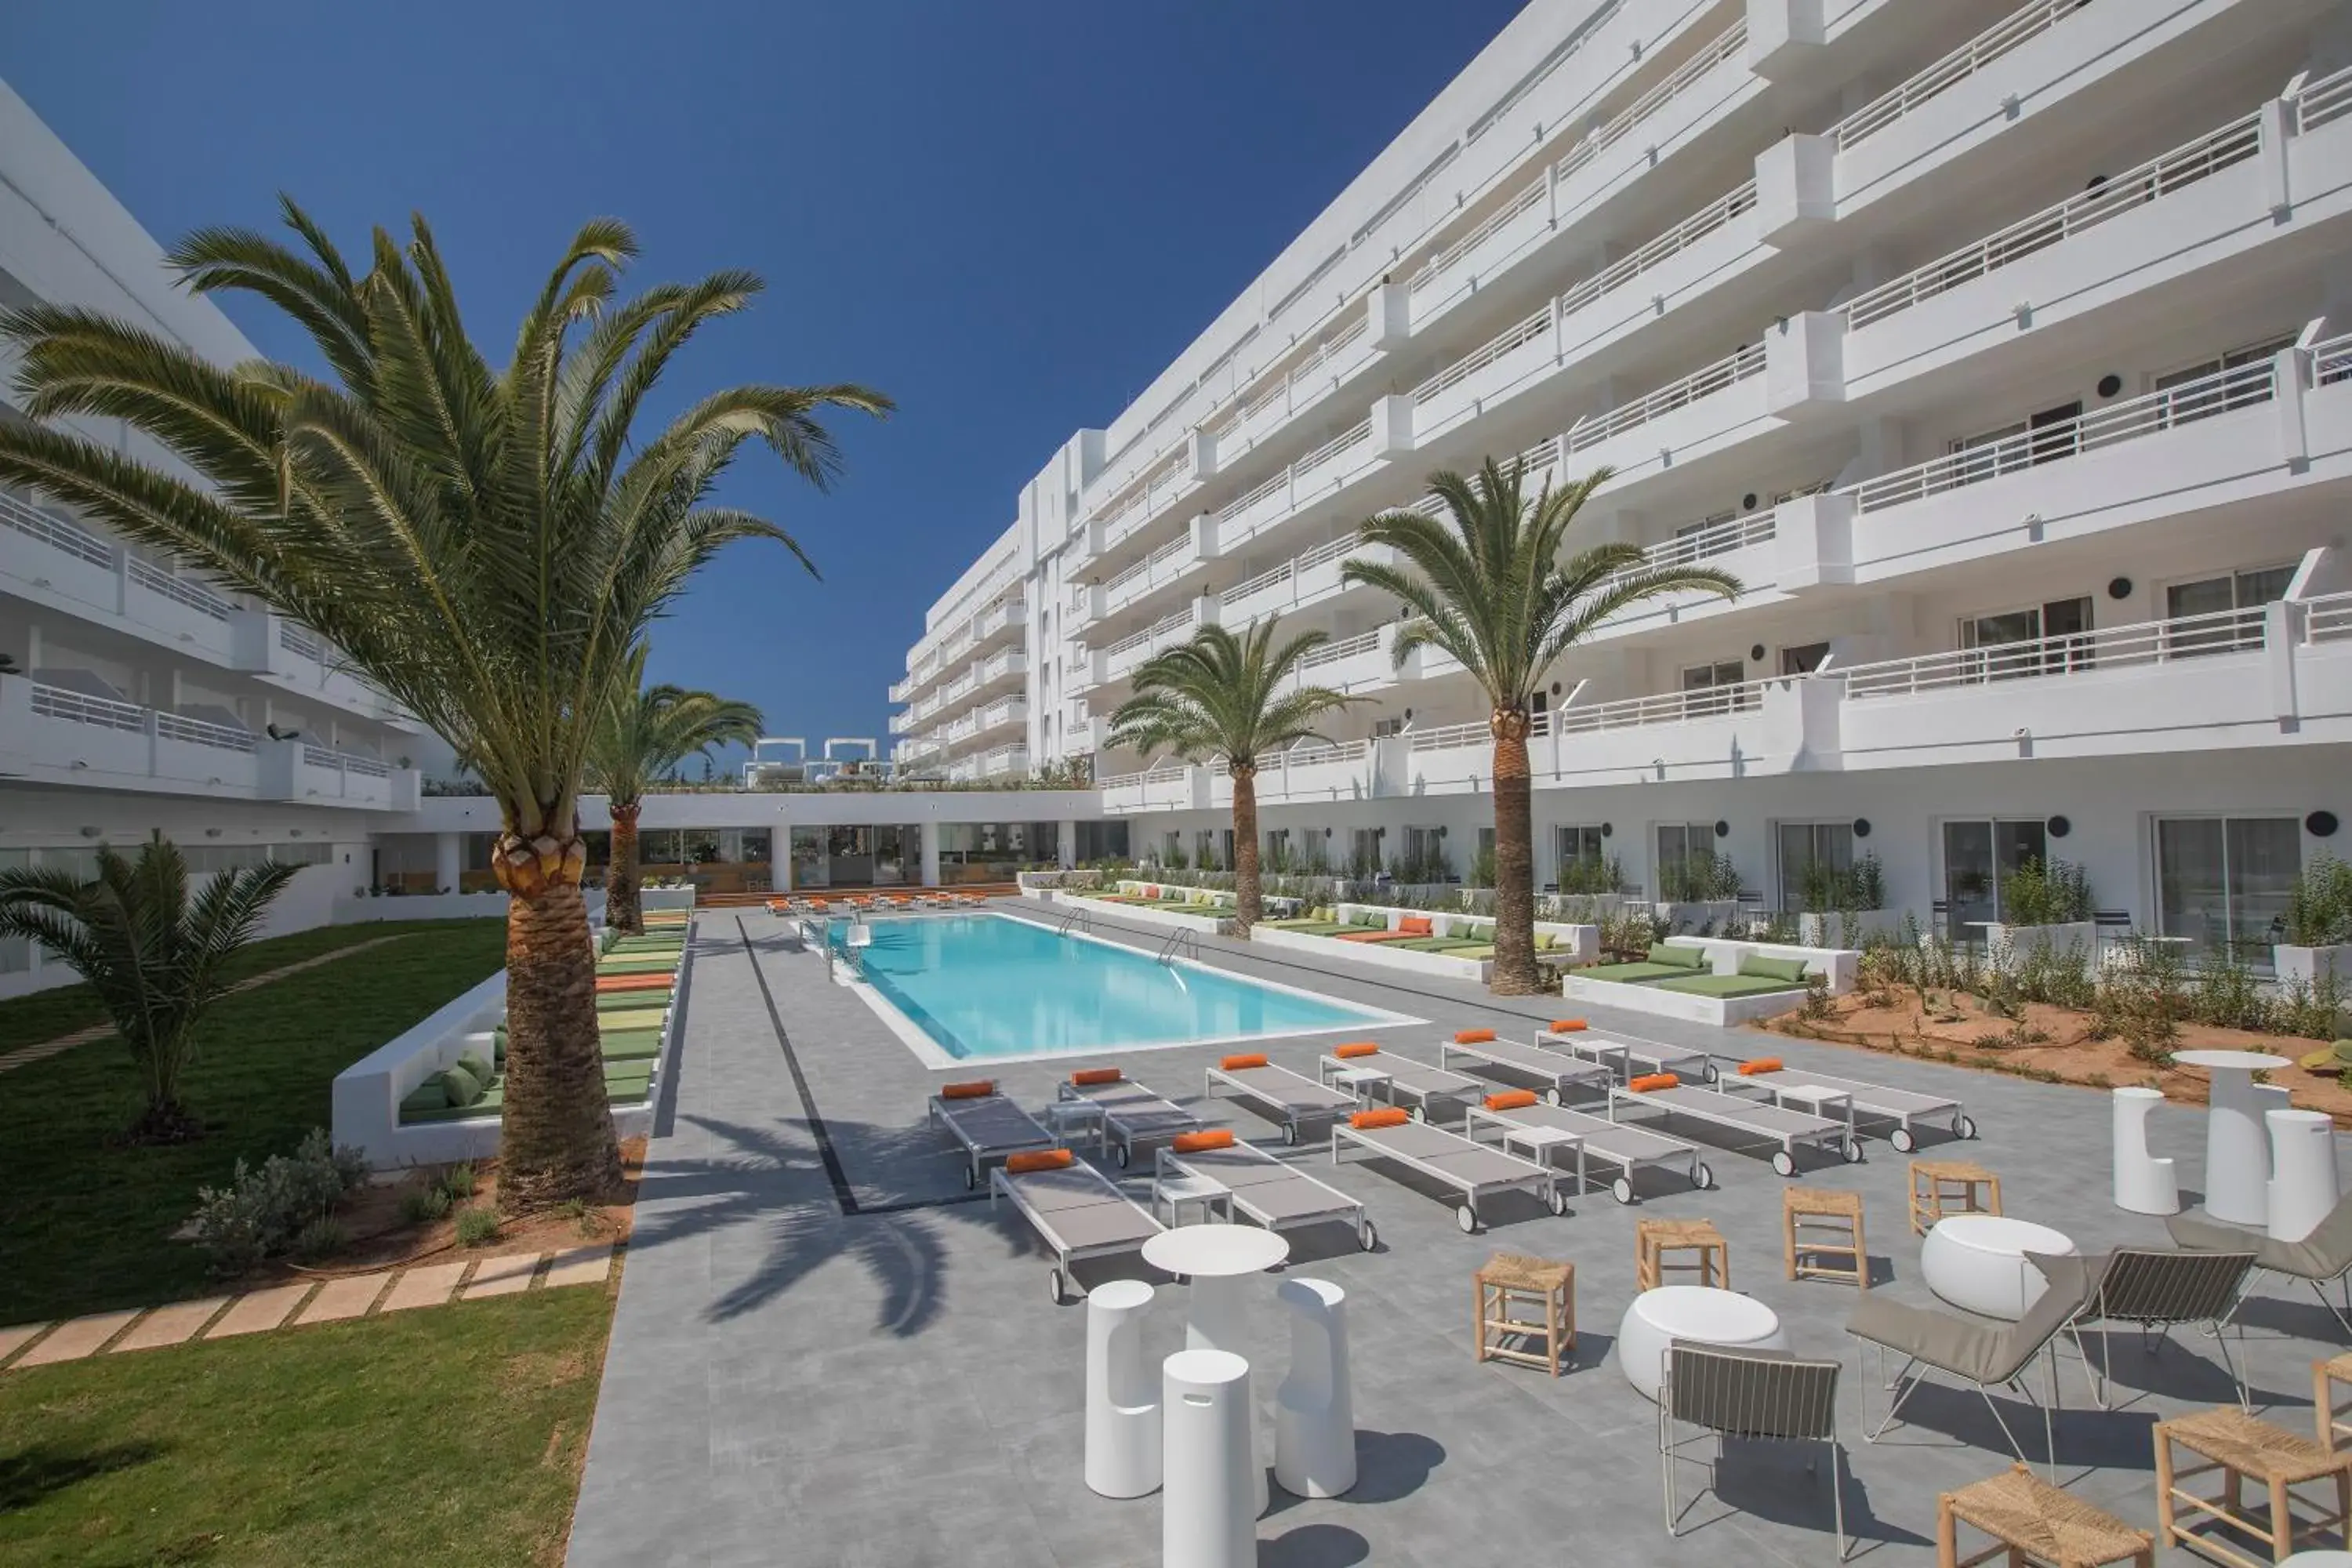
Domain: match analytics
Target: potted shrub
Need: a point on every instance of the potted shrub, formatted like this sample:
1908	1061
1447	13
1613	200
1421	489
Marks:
2047	905
2316	924
1843	906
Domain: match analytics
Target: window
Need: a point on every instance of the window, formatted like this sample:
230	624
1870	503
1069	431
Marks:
2249	382
2222	614
1687	863
1576	853
1278	847
2224	882
1717	688
2043	438
2043	639
1804	658
1384	728
1977	855
1808	850
1363	851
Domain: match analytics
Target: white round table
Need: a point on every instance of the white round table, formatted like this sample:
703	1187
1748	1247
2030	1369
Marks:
1217	1261
2237	1145
1977	1262
1698	1314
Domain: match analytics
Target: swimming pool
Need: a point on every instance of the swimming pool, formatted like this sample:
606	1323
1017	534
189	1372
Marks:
993	987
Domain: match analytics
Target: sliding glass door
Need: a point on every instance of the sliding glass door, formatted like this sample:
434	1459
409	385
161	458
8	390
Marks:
1977	855
2222	883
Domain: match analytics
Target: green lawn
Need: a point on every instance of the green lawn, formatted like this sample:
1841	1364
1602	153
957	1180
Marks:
87	1219
450	1436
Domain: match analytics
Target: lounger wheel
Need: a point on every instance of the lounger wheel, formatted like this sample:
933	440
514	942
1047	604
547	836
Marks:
1783	1164
1058	1284
1123	1154
1710	1073
1417	1114
1903	1141
1556	1201
1621	1189
1290	1131
1467	1218
970	1176
1851	1150
1703	1177
1368	1237
1967	1127
1552	1096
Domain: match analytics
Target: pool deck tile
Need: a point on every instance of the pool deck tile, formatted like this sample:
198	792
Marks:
171	1325
259	1313
427	1287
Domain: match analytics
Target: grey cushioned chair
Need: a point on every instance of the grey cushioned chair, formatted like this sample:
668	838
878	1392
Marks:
2159	1290
2323	1257
1748	1394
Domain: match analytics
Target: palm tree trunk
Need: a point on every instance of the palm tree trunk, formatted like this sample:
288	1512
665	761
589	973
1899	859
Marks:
621	911
556	1138
1515	886
1248	907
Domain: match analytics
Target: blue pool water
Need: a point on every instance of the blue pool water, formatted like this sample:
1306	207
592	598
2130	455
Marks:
986	986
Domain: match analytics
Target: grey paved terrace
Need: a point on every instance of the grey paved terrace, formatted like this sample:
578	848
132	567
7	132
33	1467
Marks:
827	1353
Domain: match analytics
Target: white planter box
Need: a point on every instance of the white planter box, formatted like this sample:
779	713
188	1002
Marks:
2307	963
1850	928
665	898
1838	964
1377	955
2007	946
1720	1011
1169	918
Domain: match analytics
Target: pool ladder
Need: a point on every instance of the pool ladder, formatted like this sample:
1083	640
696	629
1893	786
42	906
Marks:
1077	919
1182	942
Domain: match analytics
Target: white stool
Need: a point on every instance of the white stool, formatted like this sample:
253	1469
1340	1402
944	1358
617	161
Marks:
1314	1412
1122	1407
2144	1185
1208	1508
2303	1186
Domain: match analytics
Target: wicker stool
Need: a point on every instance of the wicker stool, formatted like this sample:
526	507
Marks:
1939	1187
2325	1377
1653	1238
2034	1522
1510	1283
1836	1251
2245	1449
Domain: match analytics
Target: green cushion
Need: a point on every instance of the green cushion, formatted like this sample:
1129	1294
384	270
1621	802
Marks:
1433	944
474	1064
1476	954
1546	941
630	1001
491	1100
1725	986
1324	912
1762	968
426	1096
1635	974
1370	922
1680	957
464	1088
2343	1049
631	1045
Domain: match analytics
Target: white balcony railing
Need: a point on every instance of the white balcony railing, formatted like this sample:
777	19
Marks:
198	732
1717	537
1510	339
1338	549
1450	737
1593	429
1674	242
2075	653
1730	44
2158	178
81	707
2328	618
2324	101
1285	388
1322	753
1438	264
294	640
56	531
2331	361
2012	32
2240	387
1344	648
349	762
1666	707
193	595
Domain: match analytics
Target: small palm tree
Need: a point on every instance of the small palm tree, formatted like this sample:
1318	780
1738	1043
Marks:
648	730
1219	694
487	545
1487	584
153	953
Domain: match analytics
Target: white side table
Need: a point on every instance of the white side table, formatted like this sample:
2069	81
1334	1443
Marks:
1176	1190
1361	1082
2237	1147
1217	1261
1064	1117
1977	1262
1537	1142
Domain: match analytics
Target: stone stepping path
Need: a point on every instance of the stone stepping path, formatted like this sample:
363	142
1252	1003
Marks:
296	1306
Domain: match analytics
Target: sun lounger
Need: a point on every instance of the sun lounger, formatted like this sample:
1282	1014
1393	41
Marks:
1538	1131
1127	1113
1472	1169
1762	1125
988	1126
1399	1080
1260	1187
639	1018
1630	1059
1293	1098
1557	1073
1801	1087
1078	1213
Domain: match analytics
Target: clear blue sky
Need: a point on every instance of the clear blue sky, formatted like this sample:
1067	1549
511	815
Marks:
1008	215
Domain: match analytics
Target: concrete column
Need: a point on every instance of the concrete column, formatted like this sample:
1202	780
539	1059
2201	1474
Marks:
780	858
448	860
1066	849
930	855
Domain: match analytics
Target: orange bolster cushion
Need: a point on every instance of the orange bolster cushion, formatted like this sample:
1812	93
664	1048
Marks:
1195	1142
1761	1064
1391	1116
1356	1049
1654	1080
1414	925
979	1089
1510	1100
1569	1025
1037	1160
1236	1064
1473	1036
1096	1075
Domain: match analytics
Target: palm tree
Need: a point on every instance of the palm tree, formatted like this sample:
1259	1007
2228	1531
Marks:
153	953
487	545
1487	586
1219	695
647	732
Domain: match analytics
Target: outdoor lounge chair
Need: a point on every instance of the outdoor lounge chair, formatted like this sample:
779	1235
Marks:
986	1125
1629	1059
1261	1187
2319	1259
1900	1106
1780	1129
2158	1290
1472	1169
1748	1394
1542	1130
1421	1088
1127	1112
1293	1098
1983	1355
1555	1072
1078	1211
1665	962
1726	987
1411	928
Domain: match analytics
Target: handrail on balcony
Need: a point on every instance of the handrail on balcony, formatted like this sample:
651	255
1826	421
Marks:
2331	361
54	531
1346	648
1441	261
1664	708
2328	618
193	595
2136	644
201	733
350	762
1360	431
1511	339
1302	756
2011	33
294	640
81	707
2239	386
1447	737
2186	165
1721	536
1716	214
1160	628
1730	44
2324	100
1706	381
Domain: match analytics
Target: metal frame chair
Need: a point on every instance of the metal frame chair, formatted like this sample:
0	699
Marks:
2158	1290
2322	1258
1748	1394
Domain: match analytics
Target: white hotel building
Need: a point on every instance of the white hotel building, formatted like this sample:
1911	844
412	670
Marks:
2002	352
